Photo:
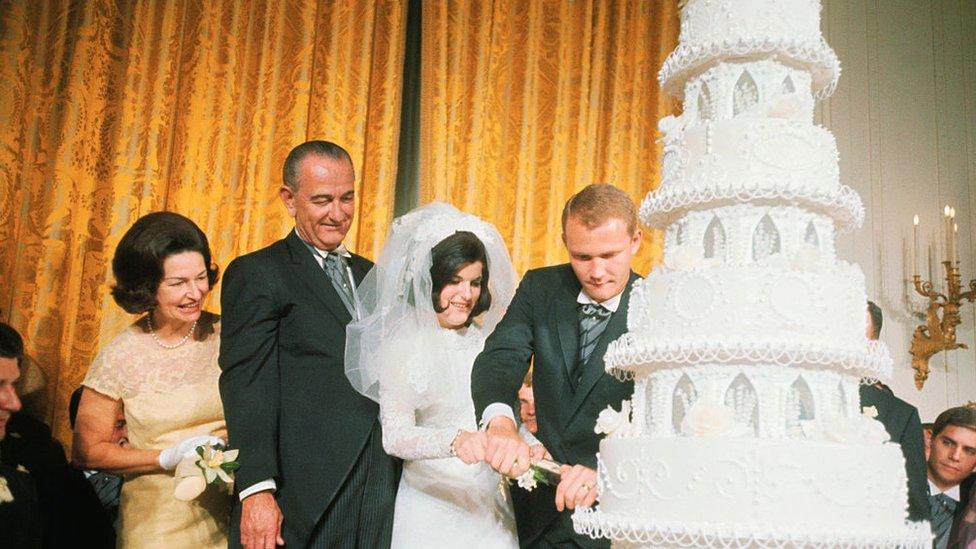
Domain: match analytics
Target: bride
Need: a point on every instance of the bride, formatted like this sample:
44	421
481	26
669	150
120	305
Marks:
440	285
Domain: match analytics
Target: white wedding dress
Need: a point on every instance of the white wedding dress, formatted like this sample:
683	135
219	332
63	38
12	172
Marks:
425	397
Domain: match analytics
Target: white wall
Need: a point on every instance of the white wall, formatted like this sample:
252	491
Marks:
904	115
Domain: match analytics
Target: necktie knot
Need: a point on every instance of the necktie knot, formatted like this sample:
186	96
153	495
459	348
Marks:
592	310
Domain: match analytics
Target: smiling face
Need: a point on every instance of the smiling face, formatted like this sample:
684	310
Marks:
459	296
182	290
601	255
952	456
323	203
9	401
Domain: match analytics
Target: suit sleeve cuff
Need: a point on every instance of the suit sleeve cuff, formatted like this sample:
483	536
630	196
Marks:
262	486
494	410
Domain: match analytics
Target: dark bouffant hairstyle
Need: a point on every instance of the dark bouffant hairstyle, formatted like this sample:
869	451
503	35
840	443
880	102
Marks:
960	416
138	261
450	256
877	318
11	344
323	149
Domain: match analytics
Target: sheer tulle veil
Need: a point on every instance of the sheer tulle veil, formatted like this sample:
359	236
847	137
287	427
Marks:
396	293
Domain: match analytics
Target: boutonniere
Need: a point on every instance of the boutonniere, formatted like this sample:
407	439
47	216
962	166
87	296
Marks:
213	464
6	496
870	411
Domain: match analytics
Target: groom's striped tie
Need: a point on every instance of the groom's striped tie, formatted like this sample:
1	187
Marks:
593	321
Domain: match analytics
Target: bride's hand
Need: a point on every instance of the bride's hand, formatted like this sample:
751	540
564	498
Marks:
469	446
538	452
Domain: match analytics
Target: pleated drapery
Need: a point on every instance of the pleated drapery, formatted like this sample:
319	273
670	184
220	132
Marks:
525	102
110	110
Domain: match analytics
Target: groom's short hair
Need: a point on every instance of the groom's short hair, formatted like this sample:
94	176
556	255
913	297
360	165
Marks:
321	149
597	203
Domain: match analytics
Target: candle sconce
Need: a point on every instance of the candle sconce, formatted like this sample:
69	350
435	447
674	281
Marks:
939	332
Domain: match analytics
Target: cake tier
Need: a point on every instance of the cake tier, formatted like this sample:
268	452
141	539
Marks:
714	30
751	493
753	313
771	160
765	400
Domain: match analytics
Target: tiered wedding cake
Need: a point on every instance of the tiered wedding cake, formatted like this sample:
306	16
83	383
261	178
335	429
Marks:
748	345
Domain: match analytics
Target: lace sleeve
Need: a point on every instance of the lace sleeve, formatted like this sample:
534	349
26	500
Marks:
404	388
103	376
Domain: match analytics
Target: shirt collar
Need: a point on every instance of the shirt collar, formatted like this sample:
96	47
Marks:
611	304
320	254
951	492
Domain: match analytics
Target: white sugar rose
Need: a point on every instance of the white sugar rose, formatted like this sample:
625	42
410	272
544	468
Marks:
786	106
709	418
612	422
683	258
807	258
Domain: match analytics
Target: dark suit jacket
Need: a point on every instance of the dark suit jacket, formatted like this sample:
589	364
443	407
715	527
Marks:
70	512
20	519
542	325
289	407
904	427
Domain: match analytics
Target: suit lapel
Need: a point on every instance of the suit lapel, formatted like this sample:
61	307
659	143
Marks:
594	370
312	275
565	323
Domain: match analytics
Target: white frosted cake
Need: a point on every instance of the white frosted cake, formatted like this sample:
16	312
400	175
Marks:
747	346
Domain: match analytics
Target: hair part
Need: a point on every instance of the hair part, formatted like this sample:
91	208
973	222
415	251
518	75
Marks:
11	344
318	148
450	256
599	202
138	261
877	318
960	416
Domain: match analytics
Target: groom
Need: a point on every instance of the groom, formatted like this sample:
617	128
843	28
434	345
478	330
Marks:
562	319
313	471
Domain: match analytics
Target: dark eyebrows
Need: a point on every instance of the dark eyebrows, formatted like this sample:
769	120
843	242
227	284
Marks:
201	273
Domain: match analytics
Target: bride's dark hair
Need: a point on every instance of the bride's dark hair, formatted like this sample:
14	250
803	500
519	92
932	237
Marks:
450	256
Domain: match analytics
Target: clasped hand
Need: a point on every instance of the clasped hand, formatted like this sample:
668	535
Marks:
508	454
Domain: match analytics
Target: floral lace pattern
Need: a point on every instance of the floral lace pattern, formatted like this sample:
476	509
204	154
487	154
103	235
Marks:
425	391
132	364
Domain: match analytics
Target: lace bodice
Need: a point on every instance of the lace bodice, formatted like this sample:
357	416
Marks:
425	394
132	364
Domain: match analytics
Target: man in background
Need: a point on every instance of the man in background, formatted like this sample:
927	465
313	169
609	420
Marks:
951	463
902	422
58	507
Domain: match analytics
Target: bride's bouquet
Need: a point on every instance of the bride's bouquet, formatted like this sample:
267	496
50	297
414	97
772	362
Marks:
212	464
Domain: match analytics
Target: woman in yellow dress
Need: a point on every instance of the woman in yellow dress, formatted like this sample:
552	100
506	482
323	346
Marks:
163	371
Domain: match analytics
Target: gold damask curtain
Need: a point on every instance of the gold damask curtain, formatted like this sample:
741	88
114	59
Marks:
110	110
525	102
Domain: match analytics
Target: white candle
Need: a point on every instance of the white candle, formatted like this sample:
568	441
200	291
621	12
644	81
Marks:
915	270
947	222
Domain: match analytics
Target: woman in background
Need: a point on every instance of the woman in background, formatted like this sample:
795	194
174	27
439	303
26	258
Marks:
163	371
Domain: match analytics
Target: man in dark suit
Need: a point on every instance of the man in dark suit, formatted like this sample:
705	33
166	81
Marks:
51	504
951	463
562	318
902	422
313	471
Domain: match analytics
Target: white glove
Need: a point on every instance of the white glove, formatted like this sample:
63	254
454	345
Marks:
172	456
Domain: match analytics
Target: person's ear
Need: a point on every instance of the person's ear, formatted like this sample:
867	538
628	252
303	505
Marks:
287	198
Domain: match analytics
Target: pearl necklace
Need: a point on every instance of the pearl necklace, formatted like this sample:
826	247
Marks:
159	342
